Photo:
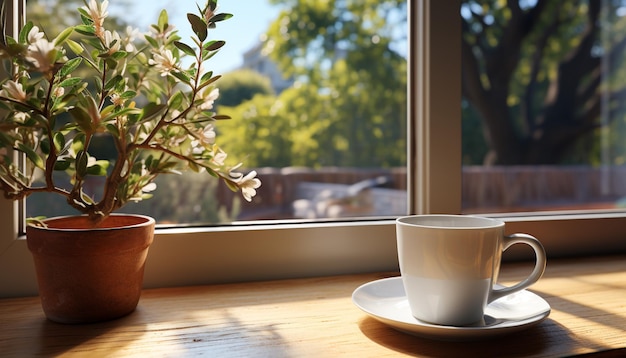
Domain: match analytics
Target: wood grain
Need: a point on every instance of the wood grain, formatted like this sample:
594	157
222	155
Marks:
315	317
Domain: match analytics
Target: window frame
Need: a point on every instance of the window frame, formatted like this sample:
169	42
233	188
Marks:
264	251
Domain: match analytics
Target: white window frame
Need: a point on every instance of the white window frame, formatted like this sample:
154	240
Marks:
272	251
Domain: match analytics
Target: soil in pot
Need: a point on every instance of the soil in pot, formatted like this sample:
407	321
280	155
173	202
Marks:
86	274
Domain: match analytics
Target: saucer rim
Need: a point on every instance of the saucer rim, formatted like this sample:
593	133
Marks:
450	333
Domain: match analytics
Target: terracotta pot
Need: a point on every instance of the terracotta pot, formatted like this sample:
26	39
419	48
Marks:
90	275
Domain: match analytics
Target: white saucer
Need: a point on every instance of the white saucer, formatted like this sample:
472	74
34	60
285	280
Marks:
385	300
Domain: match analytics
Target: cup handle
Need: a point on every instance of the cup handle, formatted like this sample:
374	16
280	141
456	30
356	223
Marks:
540	264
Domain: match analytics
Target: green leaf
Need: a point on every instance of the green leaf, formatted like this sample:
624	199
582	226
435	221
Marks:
214	45
99	168
163	20
81	164
39	118
221	17
181	76
176	100
207	76
206	55
64	35
23	35
98	83
151	109
86	198
78	143
37	221
152	41
111	63
106	111
231	185
45	146
62	165
113	82
85	16
128	95
82	118
113	130
59	141
70	82
74	46
87	30
119	55
193	166
85	19
67	146
70	66
149	161
185	48
213	5
198	26
211	80
31	155
122	112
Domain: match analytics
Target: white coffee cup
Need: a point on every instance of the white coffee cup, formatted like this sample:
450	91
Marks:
450	263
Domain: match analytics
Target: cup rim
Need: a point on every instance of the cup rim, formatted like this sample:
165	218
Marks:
456	222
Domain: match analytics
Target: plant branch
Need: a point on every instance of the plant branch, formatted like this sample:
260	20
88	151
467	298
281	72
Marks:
52	156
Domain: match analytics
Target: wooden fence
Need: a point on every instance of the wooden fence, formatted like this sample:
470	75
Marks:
485	189
518	188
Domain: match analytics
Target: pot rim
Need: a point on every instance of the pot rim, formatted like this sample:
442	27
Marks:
148	220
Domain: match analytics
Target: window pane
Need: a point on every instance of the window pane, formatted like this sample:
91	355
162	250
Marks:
318	101
543	105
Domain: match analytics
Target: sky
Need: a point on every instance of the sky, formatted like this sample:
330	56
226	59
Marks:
241	32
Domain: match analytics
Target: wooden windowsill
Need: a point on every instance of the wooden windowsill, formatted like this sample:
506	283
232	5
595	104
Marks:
315	317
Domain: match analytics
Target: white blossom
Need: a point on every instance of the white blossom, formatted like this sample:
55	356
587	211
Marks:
207	135
132	34
164	61
149	187
248	185
21	117
112	41
98	12
34	34
116	100
208	97
163	34
220	157
203	138
41	54
179	127
14	90
59	91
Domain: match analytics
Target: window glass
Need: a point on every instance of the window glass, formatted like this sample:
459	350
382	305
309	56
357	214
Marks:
543	105
317	93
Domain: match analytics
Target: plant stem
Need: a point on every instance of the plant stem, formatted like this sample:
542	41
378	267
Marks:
52	156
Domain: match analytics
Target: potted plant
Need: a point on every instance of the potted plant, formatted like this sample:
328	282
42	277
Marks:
156	107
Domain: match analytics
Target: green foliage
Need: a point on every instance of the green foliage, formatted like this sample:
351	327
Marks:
474	147
333	123
262	133
239	86
157	114
348	107
52	16
536	81
184	199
